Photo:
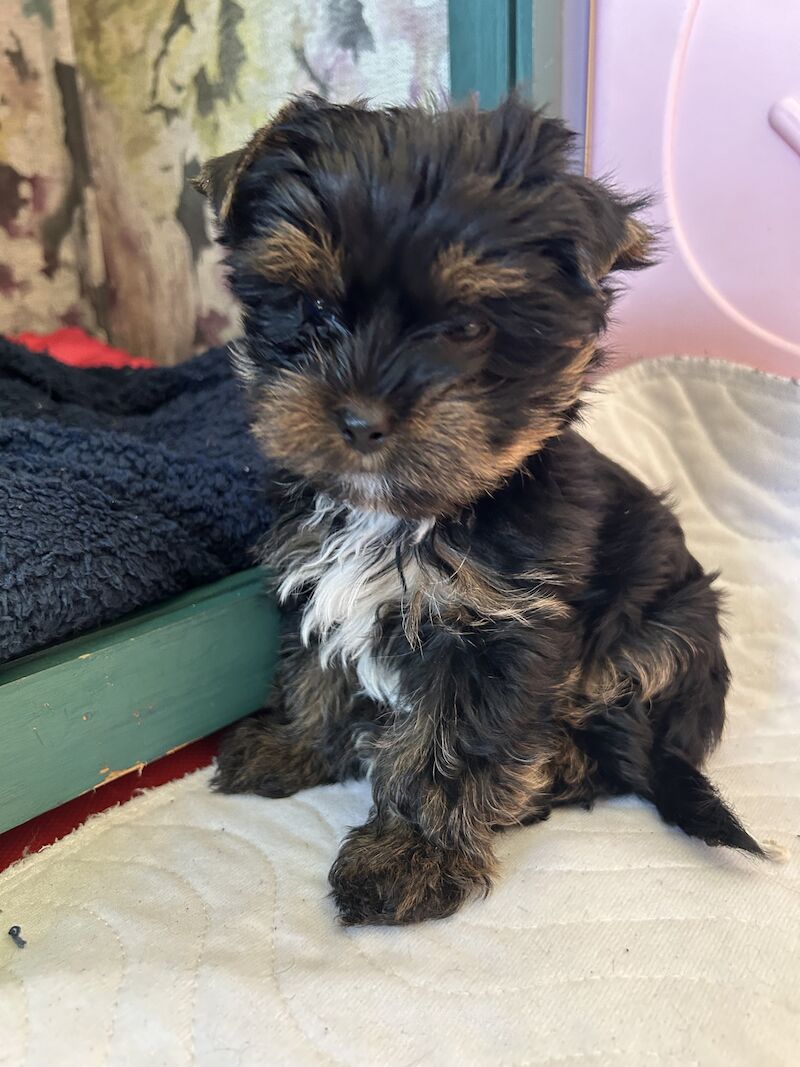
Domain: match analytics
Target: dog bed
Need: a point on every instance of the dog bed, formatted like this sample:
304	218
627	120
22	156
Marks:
118	488
187	927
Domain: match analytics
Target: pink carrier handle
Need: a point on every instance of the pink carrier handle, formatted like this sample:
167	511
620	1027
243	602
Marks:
784	118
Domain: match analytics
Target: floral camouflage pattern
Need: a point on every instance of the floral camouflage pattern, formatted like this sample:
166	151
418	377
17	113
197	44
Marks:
107	107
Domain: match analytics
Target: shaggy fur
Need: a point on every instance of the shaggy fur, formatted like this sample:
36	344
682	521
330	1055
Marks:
484	614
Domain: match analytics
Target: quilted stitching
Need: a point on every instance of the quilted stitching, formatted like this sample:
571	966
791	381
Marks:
197	925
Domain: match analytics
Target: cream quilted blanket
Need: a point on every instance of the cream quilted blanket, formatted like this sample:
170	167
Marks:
191	928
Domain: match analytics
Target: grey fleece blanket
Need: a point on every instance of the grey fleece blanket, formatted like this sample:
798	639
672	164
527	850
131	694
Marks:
117	488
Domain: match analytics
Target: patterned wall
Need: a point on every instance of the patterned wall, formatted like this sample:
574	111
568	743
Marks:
107	107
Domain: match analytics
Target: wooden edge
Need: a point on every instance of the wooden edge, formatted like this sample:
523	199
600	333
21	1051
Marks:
87	711
588	143
252	580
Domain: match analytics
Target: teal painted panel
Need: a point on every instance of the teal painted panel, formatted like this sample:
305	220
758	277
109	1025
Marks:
481	35
521	53
91	709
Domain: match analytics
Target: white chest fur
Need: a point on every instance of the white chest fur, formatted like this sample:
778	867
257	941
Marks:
352	573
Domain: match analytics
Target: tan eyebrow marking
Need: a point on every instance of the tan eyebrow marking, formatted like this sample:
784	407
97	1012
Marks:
466	278
288	254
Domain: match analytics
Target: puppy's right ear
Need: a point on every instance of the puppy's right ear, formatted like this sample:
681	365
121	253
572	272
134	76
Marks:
217	180
296	123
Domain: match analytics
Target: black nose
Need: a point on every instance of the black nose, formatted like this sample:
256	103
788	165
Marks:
364	427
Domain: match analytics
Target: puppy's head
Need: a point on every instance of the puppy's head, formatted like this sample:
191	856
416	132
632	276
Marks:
421	293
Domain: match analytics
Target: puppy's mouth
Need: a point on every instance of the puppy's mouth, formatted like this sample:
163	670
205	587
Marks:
389	495
379	493
369	485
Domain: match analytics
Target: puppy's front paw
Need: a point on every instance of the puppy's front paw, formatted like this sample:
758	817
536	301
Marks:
259	755
388	873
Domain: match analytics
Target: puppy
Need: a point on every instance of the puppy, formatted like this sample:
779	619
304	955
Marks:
483	614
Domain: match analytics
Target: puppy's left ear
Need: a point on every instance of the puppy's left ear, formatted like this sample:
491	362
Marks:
613	237
217	179
607	234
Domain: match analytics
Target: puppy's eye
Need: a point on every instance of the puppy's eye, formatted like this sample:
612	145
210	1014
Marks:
318	315
468	330
315	309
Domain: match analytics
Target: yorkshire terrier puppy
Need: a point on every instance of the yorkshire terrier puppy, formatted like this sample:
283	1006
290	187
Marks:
484	615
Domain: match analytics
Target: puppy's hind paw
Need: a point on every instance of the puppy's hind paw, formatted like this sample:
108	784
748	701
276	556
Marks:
261	756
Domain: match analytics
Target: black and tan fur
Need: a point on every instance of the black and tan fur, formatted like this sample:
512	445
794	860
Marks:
483	613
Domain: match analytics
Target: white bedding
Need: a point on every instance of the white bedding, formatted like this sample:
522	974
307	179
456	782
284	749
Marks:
190	928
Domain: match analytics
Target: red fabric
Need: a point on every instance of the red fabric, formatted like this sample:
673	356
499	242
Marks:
73	346
53	825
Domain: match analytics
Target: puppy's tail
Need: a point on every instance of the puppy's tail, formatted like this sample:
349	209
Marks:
685	798
630	760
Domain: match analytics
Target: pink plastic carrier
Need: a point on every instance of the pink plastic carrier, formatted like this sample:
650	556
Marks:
699	101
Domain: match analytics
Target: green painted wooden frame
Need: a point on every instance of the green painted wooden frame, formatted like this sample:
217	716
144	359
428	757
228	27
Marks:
91	709
491	49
